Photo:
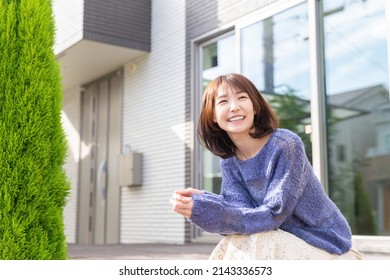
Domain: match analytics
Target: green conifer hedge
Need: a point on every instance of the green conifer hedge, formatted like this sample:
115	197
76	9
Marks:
33	184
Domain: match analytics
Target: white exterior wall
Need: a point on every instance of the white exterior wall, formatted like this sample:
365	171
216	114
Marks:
69	30
153	124
71	124
69	23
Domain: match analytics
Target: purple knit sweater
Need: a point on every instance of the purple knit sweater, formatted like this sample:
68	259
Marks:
275	189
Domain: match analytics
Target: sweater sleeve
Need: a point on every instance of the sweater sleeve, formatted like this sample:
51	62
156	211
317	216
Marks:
214	214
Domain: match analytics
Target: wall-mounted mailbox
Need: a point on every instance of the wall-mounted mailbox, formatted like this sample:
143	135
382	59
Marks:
130	169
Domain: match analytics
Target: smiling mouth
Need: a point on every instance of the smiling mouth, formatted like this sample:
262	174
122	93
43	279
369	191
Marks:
236	118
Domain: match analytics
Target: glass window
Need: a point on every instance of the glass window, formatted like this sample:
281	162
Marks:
358	112
218	59
275	56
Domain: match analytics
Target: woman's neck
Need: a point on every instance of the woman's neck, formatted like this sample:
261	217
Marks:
248	147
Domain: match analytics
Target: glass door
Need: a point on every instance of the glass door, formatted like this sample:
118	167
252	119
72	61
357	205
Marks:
358	108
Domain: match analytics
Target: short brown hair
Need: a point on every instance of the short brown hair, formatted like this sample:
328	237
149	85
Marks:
216	139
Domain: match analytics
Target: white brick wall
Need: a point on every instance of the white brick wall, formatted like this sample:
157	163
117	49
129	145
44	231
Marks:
153	124
71	124
69	23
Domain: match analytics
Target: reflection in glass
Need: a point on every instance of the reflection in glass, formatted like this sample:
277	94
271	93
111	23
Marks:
358	110
275	56
218	59
275	52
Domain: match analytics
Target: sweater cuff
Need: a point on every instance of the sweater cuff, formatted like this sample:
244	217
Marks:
200	211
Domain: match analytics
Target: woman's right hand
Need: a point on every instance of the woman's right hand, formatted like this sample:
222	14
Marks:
182	201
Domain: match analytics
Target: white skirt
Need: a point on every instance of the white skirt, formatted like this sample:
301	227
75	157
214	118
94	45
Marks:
273	245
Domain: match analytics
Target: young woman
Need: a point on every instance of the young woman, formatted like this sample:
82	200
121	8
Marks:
271	205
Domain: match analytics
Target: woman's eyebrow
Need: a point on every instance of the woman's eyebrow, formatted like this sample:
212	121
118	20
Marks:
221	96
225	95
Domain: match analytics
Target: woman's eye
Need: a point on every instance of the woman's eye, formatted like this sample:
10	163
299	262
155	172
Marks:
222	102
242	97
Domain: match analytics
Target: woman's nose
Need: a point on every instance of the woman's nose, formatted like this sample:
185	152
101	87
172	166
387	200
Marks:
234	106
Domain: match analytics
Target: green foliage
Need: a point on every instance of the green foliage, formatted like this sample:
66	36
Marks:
292	113
365	224
33	184
349	194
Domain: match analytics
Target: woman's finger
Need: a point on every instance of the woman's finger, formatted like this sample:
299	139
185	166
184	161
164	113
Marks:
189	191
183	209
183	199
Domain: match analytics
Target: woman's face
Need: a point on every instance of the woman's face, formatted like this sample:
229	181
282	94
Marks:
234	111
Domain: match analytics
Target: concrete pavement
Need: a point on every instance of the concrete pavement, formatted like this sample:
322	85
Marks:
189	251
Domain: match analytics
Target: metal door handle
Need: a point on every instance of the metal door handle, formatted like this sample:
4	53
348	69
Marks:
101	183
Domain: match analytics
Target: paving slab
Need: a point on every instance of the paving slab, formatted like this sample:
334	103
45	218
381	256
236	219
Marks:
190	251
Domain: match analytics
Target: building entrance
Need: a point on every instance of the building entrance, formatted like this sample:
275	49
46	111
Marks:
99	196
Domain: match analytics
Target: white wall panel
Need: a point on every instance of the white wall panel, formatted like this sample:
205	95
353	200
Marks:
153	124
71	125
69	23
